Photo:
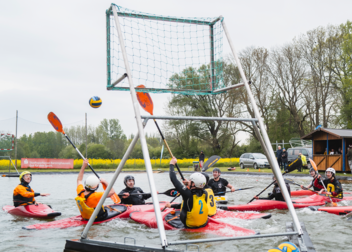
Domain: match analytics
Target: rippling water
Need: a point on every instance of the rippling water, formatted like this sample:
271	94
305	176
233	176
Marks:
327	231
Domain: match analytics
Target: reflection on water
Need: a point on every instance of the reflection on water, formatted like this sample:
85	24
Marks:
322	227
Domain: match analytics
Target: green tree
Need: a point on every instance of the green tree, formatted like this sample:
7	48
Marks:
98	151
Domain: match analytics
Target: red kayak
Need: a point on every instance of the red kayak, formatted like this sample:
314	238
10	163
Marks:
79	221
34	211
307	193
221	214
336	210
263	205
302	193
212	227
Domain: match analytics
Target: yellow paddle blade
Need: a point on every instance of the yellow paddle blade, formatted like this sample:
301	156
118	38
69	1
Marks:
145	100
313	165
55	122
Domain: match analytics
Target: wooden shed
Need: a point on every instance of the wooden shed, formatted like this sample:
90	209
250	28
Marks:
330	148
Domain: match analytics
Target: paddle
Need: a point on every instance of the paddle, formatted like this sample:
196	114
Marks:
56	123
291	167
162	210
321	181
171	193
290	181
240	189
210	162
146	102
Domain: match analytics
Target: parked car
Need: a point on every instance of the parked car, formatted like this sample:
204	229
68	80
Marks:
255	160
292	154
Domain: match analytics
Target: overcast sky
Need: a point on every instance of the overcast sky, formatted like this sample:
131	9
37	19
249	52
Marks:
53	53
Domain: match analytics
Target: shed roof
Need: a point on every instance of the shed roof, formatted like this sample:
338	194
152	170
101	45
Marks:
342	133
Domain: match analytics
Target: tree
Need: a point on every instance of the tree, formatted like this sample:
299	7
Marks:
98	151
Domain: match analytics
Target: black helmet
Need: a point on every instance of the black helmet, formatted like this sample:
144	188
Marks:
217	169
206	177
128	177
312	169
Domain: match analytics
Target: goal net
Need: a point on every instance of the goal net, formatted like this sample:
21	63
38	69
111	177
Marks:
166	54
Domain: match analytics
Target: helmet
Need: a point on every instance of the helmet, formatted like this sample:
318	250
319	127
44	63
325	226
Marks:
332	170
217	169
24	173
312	169
92	183
128	177
198	179
206	177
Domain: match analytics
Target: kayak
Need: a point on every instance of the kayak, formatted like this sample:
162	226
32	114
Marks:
221	199
336	210
301	193
34	211
307	193
76	221
171	221
221	214
263	205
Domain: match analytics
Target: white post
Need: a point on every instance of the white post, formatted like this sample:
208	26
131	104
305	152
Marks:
275	168
145	151
110	185
16	141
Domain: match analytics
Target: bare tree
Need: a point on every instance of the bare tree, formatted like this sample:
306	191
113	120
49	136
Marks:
288	71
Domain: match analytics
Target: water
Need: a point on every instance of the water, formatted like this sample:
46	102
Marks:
328	232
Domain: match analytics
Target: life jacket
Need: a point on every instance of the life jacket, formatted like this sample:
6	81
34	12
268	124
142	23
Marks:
304	160
198	216
331	188
19	200
86	211
211	203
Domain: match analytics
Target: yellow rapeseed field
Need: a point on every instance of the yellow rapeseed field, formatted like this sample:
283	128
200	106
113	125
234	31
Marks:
136	163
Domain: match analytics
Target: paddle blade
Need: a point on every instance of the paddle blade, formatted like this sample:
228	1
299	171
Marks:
294	165
116	199
210	162
145	100
313	164
171	192
55	122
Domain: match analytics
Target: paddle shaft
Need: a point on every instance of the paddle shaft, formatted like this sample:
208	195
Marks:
166	193
326	191
81	155
168	148
241	189
171	202
266	188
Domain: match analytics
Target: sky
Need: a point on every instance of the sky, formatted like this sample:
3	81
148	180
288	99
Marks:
53	54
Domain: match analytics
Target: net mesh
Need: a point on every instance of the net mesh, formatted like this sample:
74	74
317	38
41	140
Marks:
166	54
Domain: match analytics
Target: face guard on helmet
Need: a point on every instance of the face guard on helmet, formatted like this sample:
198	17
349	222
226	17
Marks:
22	175
332	170
92	183
128	177
217	170
198	179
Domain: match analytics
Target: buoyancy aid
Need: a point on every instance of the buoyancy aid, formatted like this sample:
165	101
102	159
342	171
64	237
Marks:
335	188
23	195
198	216
211	202
86	211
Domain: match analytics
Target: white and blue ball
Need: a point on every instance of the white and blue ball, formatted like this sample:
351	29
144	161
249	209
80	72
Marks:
95	102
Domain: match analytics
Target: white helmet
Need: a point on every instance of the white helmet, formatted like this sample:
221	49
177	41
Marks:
332	170
92	183
198	179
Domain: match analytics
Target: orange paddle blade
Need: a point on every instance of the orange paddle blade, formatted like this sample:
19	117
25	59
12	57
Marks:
313	165
55	122
145	100
116	199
